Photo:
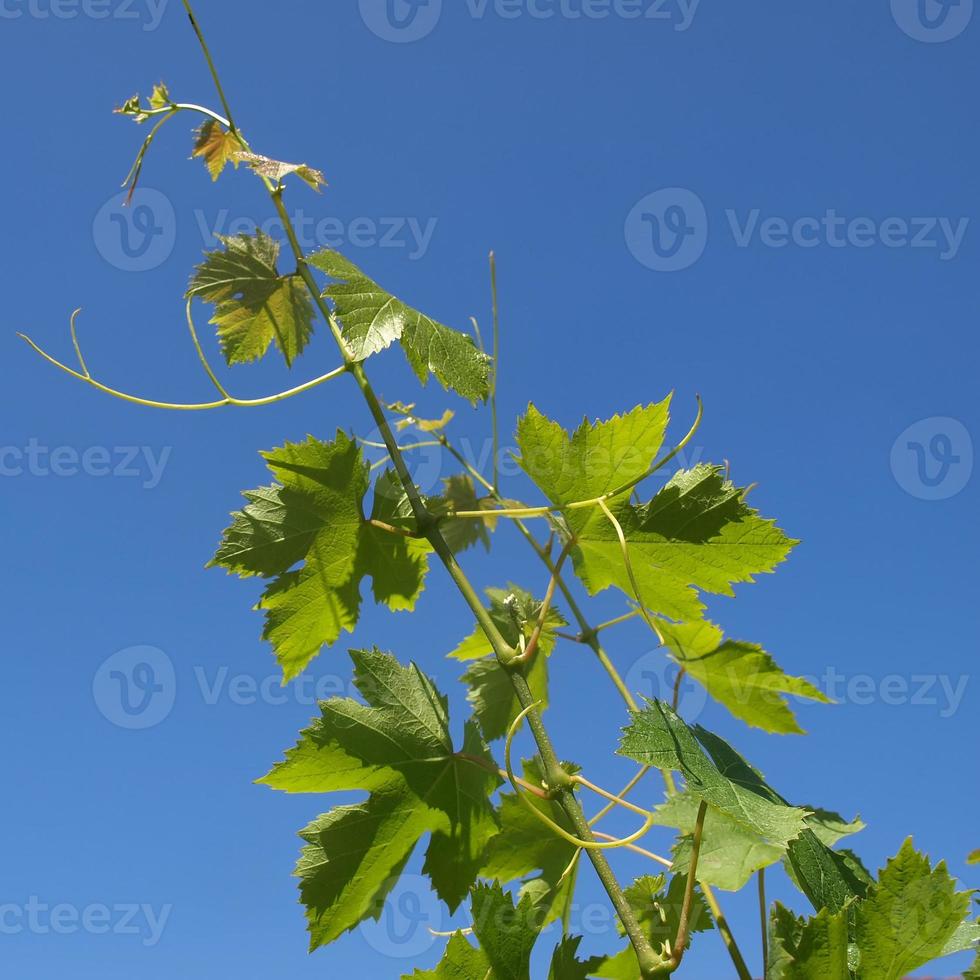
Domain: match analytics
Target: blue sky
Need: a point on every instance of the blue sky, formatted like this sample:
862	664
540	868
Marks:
773	205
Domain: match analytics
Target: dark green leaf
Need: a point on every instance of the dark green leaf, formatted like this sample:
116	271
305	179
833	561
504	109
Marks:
658	737
507	934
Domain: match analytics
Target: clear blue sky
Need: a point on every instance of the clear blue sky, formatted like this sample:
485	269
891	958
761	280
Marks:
816	340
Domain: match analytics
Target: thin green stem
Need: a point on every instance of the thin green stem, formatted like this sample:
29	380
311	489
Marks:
726	933
78	349
662	861
527	655
764	921
180	406
683	928
211	66
625	618
615	800
202	357
628	788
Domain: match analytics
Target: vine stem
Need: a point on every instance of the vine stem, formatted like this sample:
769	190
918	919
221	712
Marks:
557	778
763	917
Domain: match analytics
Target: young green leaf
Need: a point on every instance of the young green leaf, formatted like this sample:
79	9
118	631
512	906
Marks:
658	737
908	917
397	746
597	458
658	909
217	146
461	962
507	933
495	704
742	676
160	97
314	515
565	964
812	950
515	612
373	319
254	304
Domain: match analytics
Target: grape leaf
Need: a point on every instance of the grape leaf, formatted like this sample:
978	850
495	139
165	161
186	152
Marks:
908	917
565	964
696	533
314	515
812	950
730	852
254	304
515	612
277	171
495	705
460	962
160	97
658	737
217	146
742	676
507	933
373	319
658	910
397	747
828	878
597	458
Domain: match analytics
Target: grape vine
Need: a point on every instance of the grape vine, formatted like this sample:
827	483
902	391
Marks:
328	521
